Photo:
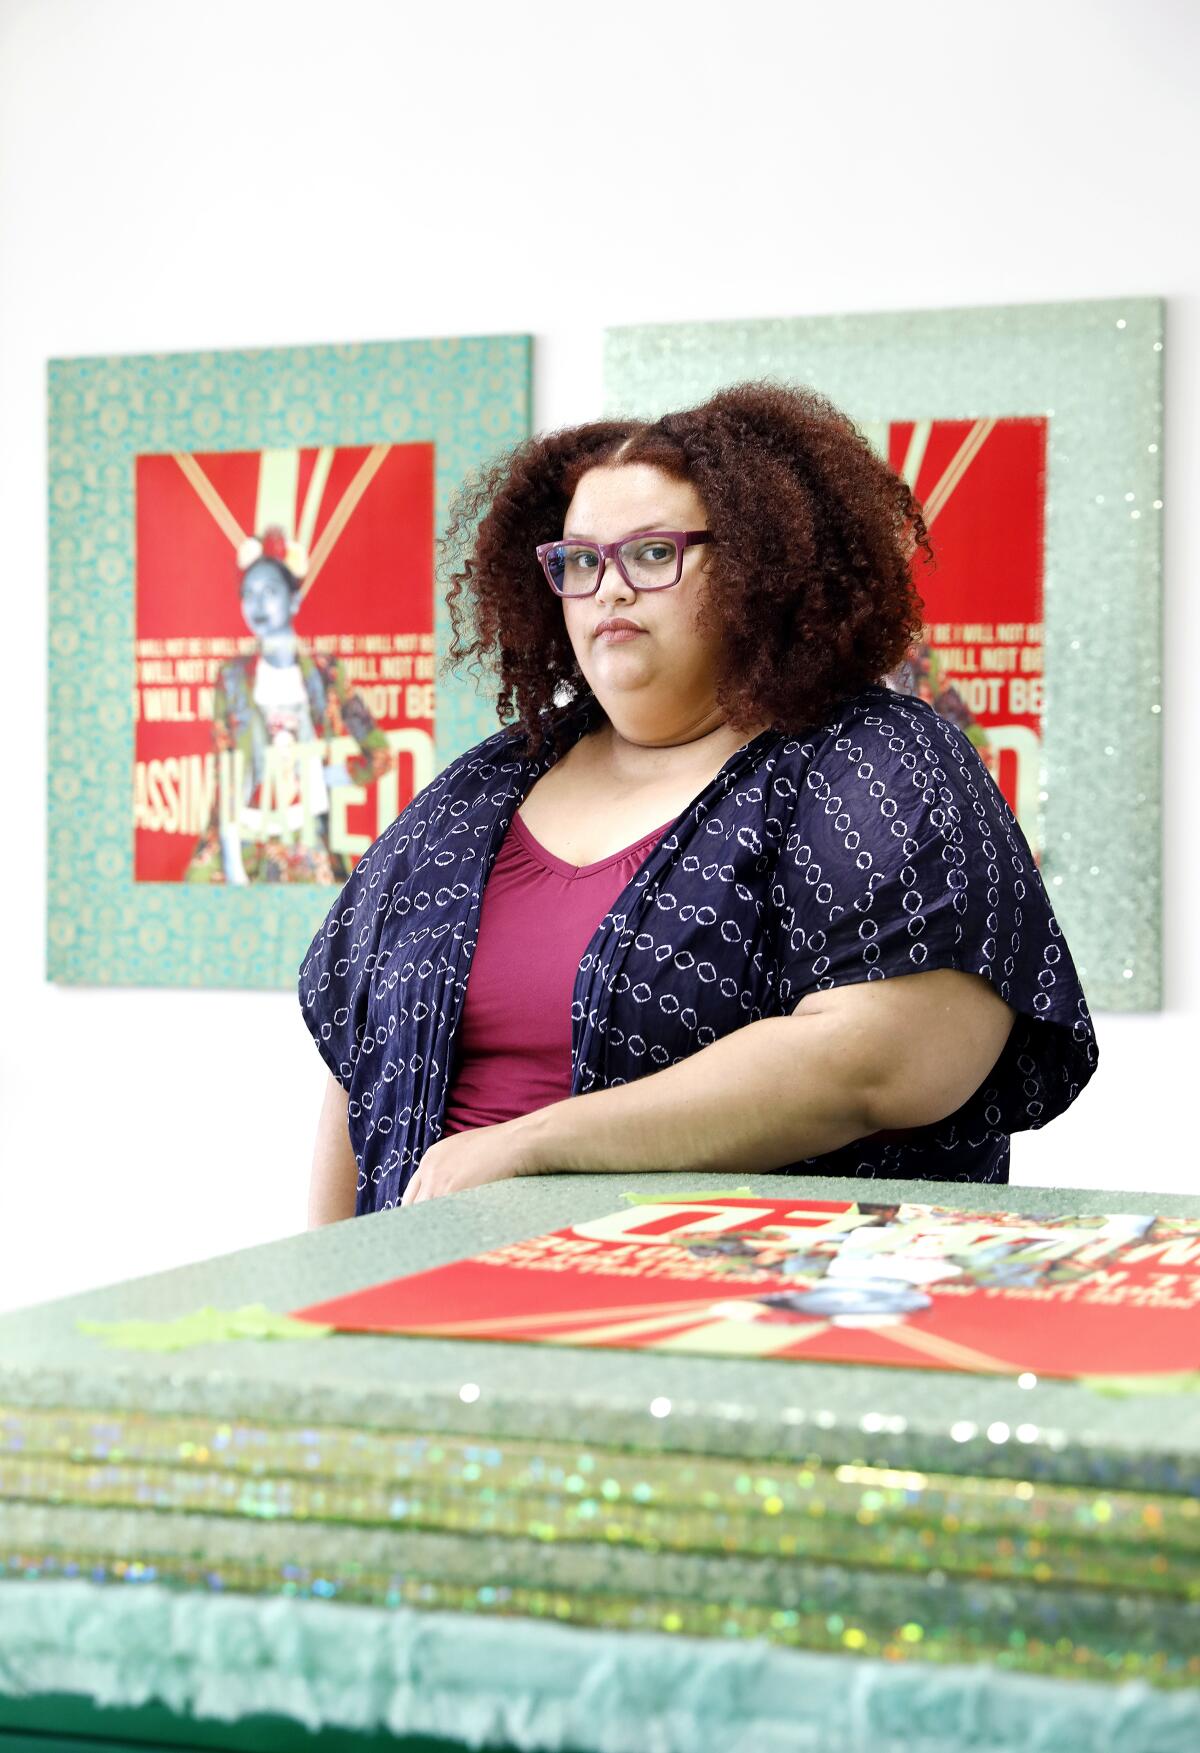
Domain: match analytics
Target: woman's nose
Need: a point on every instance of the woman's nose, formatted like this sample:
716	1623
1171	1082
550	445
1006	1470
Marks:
612	587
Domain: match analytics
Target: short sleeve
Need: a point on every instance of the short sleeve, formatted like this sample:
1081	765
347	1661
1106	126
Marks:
335	975
902	856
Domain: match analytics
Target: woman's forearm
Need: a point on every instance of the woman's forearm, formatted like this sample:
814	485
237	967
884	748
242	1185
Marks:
332	1187
769	1094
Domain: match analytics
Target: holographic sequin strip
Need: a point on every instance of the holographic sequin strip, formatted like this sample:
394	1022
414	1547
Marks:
819	1607
869	1521
159	1460
928	1566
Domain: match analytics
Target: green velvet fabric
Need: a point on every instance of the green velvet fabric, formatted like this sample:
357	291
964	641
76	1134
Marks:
544	1688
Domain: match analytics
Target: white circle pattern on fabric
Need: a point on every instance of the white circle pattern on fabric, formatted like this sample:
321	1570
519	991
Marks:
875	847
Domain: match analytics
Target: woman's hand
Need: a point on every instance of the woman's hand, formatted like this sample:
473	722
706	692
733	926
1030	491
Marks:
471	1159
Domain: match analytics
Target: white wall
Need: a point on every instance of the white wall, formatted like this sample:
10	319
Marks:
270	172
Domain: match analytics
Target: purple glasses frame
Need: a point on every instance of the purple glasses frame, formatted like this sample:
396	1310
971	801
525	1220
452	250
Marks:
611	551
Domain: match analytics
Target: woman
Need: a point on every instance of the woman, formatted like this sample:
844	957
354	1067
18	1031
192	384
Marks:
684	893
274	714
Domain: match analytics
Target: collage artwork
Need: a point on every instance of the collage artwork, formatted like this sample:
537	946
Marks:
284	702
830	1281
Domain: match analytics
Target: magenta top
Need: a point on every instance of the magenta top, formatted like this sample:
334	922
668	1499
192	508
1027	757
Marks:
538	916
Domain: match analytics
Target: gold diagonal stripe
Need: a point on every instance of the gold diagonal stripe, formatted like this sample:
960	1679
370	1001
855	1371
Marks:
967	451
965	455
368	469
914	456
503	1323
210	498
313	495
592	1334
744	1338
956	467
963	1357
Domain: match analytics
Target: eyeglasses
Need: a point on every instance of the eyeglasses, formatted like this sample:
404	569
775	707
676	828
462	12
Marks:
652	560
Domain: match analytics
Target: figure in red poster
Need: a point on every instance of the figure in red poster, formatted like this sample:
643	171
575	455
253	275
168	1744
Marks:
284	660
274	714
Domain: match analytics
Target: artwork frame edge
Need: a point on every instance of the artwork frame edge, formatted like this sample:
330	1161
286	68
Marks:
471	396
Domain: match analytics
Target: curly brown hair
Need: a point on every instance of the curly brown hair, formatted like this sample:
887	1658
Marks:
809	580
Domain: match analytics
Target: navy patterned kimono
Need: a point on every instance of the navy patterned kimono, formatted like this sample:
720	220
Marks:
876	846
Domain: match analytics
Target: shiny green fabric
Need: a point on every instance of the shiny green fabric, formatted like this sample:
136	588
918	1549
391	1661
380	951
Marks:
545	1688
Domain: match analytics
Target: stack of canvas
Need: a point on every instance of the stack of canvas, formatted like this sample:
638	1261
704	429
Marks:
924	1515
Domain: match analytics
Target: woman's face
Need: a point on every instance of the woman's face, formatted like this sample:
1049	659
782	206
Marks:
660	685
266	600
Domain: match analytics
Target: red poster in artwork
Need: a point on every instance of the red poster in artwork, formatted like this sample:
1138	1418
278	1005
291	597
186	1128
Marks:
284	687
982	486
833	1281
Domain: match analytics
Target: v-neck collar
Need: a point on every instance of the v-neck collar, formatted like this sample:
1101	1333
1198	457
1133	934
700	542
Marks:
561	866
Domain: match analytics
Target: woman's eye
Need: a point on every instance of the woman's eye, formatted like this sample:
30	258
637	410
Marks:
657	552
584	559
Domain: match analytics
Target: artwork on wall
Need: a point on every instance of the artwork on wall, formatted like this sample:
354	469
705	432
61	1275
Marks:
246	637
283	678
1032	435
982	486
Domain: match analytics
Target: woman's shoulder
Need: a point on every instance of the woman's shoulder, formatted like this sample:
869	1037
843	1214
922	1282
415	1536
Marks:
505	748
510	749
422	823
885	772
469	776
879	727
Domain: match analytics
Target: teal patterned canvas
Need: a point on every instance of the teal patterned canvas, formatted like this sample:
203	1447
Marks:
1082	381
458	401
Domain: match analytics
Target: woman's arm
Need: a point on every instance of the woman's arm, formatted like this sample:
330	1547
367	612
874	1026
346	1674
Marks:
331	1190
863	1058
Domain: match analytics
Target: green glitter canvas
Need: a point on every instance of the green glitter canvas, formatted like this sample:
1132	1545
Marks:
1088	375
119	427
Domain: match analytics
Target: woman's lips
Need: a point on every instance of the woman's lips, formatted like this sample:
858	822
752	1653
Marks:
612	635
